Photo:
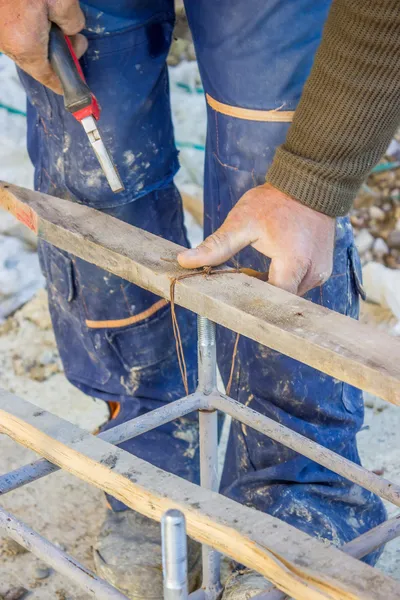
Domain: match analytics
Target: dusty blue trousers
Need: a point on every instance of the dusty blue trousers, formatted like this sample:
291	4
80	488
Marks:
252	55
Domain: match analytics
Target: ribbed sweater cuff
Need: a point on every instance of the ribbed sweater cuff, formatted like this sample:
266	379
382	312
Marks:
299	178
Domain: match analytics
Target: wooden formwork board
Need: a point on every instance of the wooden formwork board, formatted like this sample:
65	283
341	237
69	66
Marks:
337	345
303	567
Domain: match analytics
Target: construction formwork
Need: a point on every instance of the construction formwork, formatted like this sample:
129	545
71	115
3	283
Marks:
287	561
207	400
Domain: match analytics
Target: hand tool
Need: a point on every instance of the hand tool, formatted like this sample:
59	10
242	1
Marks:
79	100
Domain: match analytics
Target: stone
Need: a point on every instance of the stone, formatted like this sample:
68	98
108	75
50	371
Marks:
10	547
380	247
364	241
41	571
393	239
15	593
377	213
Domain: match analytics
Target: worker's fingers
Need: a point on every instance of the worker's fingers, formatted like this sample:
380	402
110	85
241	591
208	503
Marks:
41	70
288	273
217	248
68	15
79	44
313	278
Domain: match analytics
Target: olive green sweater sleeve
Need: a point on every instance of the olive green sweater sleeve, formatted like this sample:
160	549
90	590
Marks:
349	109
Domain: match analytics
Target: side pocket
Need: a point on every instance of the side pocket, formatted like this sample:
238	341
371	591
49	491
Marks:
57	266
145	344
356	289
80	360
353	397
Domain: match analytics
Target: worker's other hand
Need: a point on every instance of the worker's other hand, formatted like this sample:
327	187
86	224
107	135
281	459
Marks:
24	34
298	239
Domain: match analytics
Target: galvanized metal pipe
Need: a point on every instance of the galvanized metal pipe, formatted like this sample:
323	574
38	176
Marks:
208	431
40	468
26	474
57	559
321	455
174	555
209	479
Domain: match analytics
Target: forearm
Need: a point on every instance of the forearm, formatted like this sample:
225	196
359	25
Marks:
349	110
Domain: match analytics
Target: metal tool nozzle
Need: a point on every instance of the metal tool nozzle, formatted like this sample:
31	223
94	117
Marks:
104	158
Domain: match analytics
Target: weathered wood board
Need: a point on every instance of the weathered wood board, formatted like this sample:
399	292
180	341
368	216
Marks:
314	335
299	565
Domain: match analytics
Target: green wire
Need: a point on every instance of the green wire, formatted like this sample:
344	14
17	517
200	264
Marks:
386	167
10	109
13	111
188	89
190	145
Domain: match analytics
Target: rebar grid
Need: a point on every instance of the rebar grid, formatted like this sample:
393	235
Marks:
207	400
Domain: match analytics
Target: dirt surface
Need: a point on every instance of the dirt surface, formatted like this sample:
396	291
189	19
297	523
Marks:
60	507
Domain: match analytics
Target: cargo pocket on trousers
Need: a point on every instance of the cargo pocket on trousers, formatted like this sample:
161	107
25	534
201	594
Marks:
146	344
57	267
78	355
356	289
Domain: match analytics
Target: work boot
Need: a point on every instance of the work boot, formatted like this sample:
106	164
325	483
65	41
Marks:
245	584
127	554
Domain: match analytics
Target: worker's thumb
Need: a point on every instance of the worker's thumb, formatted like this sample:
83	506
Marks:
68	16
287	273
79	44
216	249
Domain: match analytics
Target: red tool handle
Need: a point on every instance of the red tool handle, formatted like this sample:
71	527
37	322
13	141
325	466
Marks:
78	98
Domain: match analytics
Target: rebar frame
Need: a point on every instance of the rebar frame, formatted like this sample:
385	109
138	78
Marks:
207	400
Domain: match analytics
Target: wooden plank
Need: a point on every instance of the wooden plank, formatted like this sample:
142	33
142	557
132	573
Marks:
304	568
194	206
314	335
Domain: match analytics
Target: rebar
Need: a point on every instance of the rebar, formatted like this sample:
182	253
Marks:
208	431
303	445
57	559
41	467
208	422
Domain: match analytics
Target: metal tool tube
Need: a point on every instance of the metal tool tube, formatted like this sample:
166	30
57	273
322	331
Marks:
174	555
56	558
40	468
321	455
207	356
208	422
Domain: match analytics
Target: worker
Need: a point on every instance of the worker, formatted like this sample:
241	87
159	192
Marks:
302	101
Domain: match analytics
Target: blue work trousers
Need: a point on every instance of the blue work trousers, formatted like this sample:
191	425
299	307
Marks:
116	339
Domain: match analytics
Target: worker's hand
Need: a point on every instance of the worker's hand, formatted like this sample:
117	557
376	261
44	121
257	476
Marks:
24	34
298	240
